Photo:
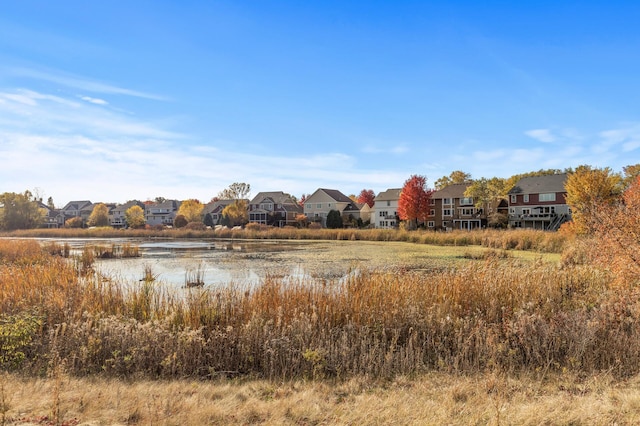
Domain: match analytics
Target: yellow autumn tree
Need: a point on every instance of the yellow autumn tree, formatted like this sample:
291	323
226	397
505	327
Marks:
191	210
134	216
99	216
235	214
589	190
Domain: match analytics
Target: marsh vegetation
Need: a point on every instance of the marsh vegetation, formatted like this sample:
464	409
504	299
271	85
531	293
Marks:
483	312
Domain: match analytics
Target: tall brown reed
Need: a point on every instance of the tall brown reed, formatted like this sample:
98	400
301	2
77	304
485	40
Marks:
520	239
496	314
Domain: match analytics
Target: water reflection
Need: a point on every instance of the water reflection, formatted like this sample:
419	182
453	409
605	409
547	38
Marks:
218	263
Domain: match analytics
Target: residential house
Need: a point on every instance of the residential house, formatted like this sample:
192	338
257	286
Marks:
81	209
161	213
385	209
214	210
51	218
318	205
116	214
539	202
366	212
450	209
274	208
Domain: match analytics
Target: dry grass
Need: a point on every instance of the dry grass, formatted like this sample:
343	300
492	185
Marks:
431	399
520	239
495	341
497	314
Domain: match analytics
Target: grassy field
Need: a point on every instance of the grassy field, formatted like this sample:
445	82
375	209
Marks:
497	337
431	399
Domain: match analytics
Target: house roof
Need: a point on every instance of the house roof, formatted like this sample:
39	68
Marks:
392	194
455	190
167	204
278	197
540	184
130	204
218	205
351	207
336	195
77	205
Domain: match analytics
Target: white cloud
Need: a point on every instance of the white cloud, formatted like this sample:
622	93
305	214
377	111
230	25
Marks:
542	135
81	83
396	149
75	151
96	101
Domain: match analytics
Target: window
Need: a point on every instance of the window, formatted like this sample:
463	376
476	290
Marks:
467	212
525	198
526	212
319	206
551	196
446	201
382	214
465	201
512	211
388	203
432	201
431	224
514	198
432	212
446	212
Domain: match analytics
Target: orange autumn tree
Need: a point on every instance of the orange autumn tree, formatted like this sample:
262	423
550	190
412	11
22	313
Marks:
367	196
615	243
413	205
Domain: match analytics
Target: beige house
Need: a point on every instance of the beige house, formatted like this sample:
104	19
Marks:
385	209
321	202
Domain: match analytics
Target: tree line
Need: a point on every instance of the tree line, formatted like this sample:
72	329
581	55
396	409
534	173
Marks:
586	186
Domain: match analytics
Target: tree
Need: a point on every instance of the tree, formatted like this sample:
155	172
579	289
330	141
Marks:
74	222
50	203
302	220
630	174
456	176
303	198
334	219
615	243
235	191
588	190
180	221
99	216
236	214
19	211
487	191
367	196
191	210
134	216
413	205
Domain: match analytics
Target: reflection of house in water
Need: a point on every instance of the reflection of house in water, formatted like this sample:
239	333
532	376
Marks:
539	202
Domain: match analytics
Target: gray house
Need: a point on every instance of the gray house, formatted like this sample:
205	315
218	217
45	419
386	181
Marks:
161	213
539	202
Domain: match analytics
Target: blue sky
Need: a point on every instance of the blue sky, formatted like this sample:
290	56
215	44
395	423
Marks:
119	100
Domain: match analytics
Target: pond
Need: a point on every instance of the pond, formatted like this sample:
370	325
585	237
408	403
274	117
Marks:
248	262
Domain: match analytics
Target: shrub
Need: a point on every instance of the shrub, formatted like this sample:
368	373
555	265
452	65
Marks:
196	226
180	221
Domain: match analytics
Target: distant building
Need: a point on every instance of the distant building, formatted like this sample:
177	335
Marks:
274	208
539	202
385	209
